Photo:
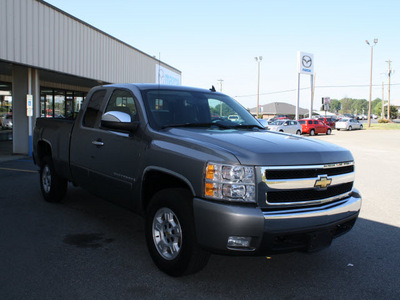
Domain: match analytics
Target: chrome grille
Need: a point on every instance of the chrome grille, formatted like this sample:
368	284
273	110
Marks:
307	185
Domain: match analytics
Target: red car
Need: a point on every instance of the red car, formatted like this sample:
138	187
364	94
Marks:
328	121
313	127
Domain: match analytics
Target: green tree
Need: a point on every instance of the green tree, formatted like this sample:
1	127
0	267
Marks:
347	105
335	106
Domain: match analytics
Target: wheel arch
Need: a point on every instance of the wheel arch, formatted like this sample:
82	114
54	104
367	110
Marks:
43	149
156	179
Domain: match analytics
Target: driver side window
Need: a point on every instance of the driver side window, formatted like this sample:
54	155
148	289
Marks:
122	100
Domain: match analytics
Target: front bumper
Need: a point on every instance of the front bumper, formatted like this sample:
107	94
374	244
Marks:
305	229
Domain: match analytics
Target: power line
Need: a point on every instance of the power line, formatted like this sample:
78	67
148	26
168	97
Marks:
322	86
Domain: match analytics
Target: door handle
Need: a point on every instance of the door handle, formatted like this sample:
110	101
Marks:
98	143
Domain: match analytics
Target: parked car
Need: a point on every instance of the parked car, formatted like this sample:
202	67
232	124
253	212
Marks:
7	122
348	124
313	127
288	126
328	121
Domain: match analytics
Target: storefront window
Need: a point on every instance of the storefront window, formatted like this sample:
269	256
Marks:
60	103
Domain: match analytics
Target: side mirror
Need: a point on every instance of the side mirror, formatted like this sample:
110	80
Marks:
118	121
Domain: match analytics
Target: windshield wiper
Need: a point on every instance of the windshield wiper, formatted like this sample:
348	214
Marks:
248	126
194	125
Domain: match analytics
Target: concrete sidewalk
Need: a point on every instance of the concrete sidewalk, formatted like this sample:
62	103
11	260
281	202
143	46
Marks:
6	149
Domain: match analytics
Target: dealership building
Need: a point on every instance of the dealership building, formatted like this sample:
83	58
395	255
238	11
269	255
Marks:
49	60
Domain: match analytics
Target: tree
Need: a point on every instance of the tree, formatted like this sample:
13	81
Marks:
335	106
347	105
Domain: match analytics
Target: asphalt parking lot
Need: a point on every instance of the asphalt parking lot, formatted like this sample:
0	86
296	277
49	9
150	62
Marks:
86	248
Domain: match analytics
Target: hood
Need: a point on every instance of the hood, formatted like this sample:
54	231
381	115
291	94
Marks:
264	148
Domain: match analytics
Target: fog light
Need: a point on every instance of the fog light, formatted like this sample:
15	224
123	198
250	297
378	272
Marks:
239	242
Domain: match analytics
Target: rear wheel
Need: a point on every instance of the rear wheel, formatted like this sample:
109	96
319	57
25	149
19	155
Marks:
170	233
312	132
53	186
350	128
361	127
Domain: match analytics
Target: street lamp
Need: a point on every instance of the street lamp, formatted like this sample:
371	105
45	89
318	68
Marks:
258	60
370	82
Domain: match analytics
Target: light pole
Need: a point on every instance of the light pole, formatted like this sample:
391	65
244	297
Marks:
370	82
258	60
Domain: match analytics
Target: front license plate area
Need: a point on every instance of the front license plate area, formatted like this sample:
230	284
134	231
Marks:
319	240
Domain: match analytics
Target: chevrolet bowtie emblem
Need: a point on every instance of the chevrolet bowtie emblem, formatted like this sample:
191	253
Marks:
322	182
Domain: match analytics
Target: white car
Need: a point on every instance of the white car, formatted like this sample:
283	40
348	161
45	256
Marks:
288	126
348	124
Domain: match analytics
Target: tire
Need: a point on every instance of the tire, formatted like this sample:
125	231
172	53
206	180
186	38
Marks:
350	128
361	127
53	187
312	132
171	235
298	132
338	129
328	131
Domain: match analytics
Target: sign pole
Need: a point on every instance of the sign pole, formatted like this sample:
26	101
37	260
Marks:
298	96
312	94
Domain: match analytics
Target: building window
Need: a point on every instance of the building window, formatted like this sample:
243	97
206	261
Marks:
56	103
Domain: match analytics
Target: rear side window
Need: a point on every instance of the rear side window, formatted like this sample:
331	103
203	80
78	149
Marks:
93	113
315	122
309	122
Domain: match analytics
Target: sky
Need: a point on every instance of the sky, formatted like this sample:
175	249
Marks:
209	41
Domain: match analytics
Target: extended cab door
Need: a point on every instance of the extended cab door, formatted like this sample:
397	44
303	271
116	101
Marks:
108	158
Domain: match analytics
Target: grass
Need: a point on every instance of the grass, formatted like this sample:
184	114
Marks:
383	126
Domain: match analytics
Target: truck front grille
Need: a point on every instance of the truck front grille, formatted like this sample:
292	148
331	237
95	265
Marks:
289	186
306	195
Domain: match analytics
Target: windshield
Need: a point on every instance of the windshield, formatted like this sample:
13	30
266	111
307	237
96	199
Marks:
169	108
277	123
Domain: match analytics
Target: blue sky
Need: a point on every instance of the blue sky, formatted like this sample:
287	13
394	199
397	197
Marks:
212	40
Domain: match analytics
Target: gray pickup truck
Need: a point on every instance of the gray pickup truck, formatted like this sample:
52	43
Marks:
204	181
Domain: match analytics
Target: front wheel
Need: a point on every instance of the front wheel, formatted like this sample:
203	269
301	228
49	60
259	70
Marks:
53	186
298	132
350	128
329	131
170	233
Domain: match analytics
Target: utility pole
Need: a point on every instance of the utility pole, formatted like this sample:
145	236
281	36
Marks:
383	101
370	81
220	84
220	89
258	60
389	73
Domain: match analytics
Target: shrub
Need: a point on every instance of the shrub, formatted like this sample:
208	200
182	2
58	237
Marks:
383	121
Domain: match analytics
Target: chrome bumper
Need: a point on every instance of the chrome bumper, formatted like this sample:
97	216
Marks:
297	219
215	222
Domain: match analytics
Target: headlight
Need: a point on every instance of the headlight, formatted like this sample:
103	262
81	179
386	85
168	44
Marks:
229	182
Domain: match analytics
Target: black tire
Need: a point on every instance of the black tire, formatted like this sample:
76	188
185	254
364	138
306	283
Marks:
298	132
53	186
350	128
328	131
361	127
312	132
338	129
185	257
